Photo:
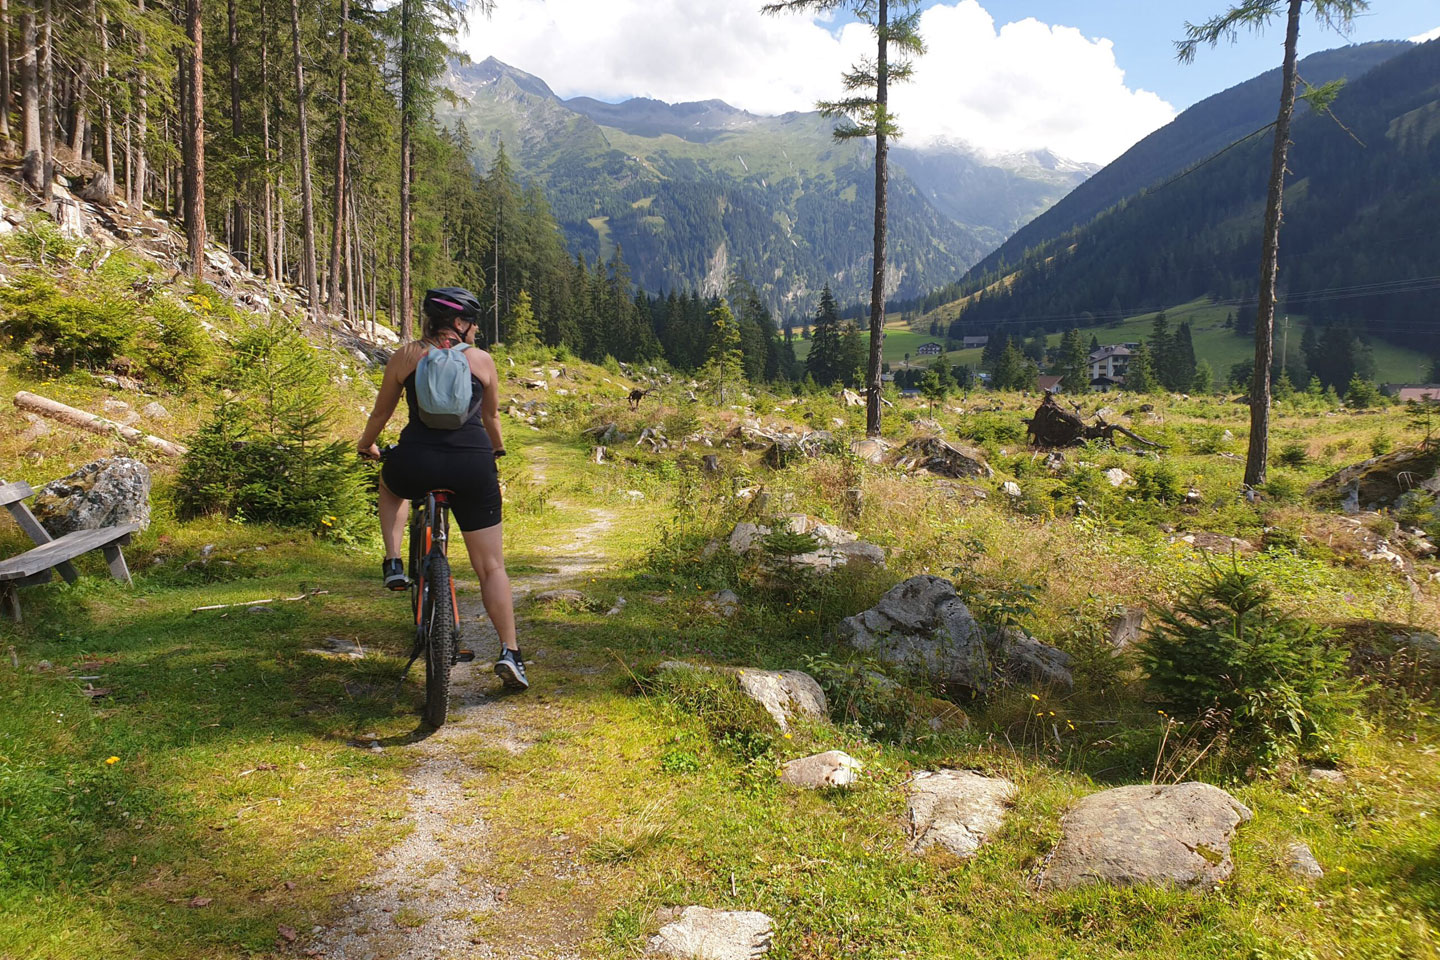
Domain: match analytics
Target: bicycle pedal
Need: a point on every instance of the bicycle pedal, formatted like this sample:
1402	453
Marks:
464	656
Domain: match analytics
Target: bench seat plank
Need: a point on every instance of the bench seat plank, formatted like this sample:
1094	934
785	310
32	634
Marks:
65	548
14	492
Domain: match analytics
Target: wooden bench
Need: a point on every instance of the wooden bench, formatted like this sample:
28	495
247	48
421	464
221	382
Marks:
39	564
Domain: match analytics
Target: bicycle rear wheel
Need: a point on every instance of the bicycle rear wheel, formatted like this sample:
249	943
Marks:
439	625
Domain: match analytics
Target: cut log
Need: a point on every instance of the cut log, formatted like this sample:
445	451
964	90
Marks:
1054	426
55	410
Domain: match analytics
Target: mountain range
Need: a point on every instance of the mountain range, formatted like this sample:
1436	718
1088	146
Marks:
693	192
1358	245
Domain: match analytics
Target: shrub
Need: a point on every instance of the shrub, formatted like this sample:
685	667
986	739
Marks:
62	330
176	348
263	455
1158	482
1226	650
1293	454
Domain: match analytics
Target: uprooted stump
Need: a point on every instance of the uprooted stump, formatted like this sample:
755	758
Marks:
1054	426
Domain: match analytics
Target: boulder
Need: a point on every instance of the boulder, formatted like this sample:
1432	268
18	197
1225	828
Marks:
1010	488
1301	863
922	625
1321	775
1173	835
785	694
938	456
107	492
834	768
835	547
155	411
1117	477
1022	657
699	933
955	809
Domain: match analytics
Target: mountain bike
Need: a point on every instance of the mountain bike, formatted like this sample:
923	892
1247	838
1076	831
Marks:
432	602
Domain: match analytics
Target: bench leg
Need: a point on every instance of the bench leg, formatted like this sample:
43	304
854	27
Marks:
116	560
10	600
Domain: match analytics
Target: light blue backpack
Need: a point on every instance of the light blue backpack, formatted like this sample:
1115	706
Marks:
442	388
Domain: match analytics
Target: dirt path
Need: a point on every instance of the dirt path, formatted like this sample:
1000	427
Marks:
422	902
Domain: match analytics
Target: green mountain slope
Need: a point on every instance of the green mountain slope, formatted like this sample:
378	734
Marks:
1195	134
1358	248
693	191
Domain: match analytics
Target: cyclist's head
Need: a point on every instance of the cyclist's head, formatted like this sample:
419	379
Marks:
450	308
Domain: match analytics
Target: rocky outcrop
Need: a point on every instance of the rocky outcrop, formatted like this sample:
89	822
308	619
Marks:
105	493
834	768
922	625
699	933
1176	835
955	809
1380	481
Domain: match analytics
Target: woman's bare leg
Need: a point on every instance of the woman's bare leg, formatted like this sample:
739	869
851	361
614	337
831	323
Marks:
392	521
487	556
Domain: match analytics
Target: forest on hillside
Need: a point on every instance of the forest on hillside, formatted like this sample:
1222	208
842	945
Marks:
303	139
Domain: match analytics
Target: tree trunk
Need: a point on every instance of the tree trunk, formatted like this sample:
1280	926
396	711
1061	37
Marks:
194	139
107	116
32	147
302	129
407	110
47	103
239	240
877	281
271	269
142	131
337	237
81	80
1259	452
5	72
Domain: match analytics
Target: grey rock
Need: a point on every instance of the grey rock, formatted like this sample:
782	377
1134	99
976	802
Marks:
1022	657
699	933
112	406
726	603
834	768
955	809
111	491
1117	477
922	625
1301	863
340	647
1010	488
710	463
1172	835
1322	775
155	411
871	450
785	694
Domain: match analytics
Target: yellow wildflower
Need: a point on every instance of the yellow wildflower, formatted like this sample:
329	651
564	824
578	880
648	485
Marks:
112	760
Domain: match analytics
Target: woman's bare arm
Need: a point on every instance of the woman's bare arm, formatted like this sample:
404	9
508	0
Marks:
490	403
385	403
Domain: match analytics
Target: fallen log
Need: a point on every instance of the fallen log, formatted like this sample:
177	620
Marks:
1054	426
55	410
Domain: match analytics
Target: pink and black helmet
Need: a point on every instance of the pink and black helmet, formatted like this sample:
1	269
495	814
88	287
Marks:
444	303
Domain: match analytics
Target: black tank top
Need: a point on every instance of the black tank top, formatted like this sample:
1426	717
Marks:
470	436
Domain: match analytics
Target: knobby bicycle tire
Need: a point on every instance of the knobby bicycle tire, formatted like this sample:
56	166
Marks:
440	627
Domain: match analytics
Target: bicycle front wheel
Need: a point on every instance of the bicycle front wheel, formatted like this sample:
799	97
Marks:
439	649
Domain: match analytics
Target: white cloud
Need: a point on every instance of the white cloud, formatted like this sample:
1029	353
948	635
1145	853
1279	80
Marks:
1426	37
1021	86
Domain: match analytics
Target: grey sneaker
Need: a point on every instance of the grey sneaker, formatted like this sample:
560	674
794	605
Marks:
393	573
510	668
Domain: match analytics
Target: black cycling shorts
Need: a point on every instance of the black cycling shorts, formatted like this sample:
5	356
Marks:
413	471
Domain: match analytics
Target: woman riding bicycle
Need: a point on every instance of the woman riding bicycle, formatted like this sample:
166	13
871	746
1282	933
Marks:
459	460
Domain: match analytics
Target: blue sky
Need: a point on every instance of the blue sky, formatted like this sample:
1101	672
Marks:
1143	32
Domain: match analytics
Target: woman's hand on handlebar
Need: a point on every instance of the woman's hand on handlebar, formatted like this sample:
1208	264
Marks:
371	452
